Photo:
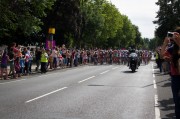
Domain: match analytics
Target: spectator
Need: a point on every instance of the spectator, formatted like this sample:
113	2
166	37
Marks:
4	61
161	60
50	59
30	54
14	49
17	67
172	54
177	36
11	63
37	58
54	55
26	58
44	61
157	55
68	56
22	64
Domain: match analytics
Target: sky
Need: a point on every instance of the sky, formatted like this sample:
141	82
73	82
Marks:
142	13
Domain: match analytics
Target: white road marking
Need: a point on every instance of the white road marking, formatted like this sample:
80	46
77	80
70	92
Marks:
155	86
115	68
152	66
104	72
46	94
157	110
153	70
86	79
154	81
153	74
15	80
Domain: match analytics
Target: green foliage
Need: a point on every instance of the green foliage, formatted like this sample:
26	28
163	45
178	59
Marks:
78	23
93	22
153	44
126	34
168	17
113	21
66	18
21	18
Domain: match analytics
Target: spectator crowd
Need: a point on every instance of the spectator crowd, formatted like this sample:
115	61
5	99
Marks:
17	61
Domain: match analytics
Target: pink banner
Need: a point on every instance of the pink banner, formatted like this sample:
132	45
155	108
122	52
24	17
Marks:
50	44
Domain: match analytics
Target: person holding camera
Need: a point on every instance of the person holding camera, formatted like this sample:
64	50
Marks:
171	53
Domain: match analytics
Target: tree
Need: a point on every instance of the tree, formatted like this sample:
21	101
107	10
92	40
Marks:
128	33
138	38
66	18
168	17
93	21
80	23
21	18
153	43
113	22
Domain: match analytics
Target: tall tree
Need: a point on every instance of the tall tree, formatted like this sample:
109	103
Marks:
113	21
138	38
168	16
66	18
128	35
21	18
93	21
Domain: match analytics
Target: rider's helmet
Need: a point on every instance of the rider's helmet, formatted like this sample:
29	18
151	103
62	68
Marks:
133	51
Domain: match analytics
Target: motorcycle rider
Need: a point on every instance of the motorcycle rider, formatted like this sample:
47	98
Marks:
132	53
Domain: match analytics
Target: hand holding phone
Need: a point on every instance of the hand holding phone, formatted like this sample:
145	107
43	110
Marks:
166	41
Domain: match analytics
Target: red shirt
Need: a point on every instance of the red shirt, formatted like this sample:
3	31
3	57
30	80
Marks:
173	69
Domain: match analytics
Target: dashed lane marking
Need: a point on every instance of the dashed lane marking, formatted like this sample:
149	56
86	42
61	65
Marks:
157	110
154	82
46	95
86	79
105	72
153	74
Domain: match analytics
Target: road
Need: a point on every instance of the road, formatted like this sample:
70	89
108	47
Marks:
86	92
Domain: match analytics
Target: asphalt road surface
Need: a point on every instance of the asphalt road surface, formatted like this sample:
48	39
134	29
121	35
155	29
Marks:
86	92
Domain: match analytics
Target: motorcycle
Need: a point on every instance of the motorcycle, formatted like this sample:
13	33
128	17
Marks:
133	61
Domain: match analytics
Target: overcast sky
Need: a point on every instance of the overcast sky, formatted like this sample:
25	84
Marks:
141	13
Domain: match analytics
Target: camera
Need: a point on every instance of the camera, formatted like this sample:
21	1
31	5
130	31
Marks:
170	34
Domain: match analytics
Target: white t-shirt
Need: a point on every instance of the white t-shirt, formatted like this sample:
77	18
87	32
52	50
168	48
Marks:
54	53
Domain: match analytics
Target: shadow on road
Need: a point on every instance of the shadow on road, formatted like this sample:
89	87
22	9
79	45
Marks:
156	73
170	116
129	71
165	85
167	105
95	85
